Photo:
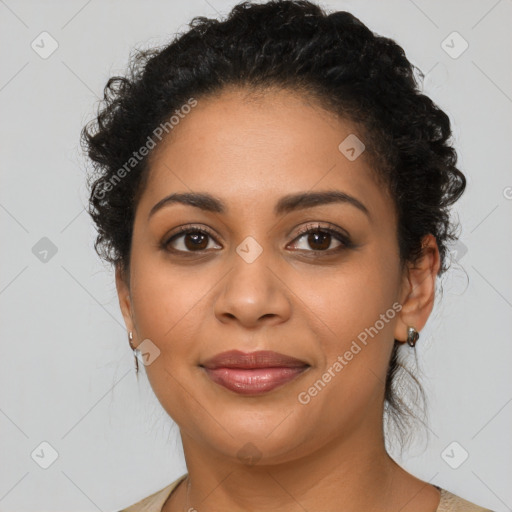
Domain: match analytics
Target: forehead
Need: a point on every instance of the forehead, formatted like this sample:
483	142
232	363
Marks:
252	148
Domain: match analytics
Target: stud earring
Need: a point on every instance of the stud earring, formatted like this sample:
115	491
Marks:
130	339
412	336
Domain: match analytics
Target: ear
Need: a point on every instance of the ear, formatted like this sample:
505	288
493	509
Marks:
123	294
418	289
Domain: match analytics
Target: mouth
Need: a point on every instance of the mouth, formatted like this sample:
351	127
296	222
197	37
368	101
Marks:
253	373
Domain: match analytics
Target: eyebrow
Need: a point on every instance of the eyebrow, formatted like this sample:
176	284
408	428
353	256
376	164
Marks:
286	204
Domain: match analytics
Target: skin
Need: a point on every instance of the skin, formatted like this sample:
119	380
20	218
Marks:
250	151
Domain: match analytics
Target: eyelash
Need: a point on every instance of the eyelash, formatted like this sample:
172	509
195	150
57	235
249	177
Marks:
310	228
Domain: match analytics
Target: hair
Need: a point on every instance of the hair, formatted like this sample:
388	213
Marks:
294	45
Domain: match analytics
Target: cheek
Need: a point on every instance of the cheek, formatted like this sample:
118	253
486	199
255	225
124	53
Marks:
353	315
166	305
164	297
347	389
349	299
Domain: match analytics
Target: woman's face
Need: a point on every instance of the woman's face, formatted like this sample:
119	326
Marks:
255	282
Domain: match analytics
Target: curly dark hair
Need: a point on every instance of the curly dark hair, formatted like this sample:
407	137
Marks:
290	44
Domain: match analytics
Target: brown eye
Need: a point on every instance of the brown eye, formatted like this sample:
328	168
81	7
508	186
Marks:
195	241
320	239
190	240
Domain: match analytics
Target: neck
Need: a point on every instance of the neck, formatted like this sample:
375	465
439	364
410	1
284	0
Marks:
352	473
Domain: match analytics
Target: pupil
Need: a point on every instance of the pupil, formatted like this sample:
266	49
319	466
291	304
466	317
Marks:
197	238
319	238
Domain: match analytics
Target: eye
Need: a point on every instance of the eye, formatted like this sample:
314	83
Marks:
318	238
190	239
321	239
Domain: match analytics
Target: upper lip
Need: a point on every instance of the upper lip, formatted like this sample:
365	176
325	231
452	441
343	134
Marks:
258	359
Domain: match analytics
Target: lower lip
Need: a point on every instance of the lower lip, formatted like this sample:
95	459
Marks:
253	381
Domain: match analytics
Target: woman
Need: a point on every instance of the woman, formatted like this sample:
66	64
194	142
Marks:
273	191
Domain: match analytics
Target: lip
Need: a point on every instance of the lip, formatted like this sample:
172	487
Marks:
251	360
253	373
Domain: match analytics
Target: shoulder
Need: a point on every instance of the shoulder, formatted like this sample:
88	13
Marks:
452	503
449	502
155	501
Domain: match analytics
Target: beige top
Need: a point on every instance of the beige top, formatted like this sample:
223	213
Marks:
154	503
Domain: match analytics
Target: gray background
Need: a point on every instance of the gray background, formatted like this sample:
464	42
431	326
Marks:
66	370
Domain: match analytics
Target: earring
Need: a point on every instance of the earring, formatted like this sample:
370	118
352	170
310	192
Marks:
130	339
412	336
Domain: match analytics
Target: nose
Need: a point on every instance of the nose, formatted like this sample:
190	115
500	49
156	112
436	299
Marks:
252	295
